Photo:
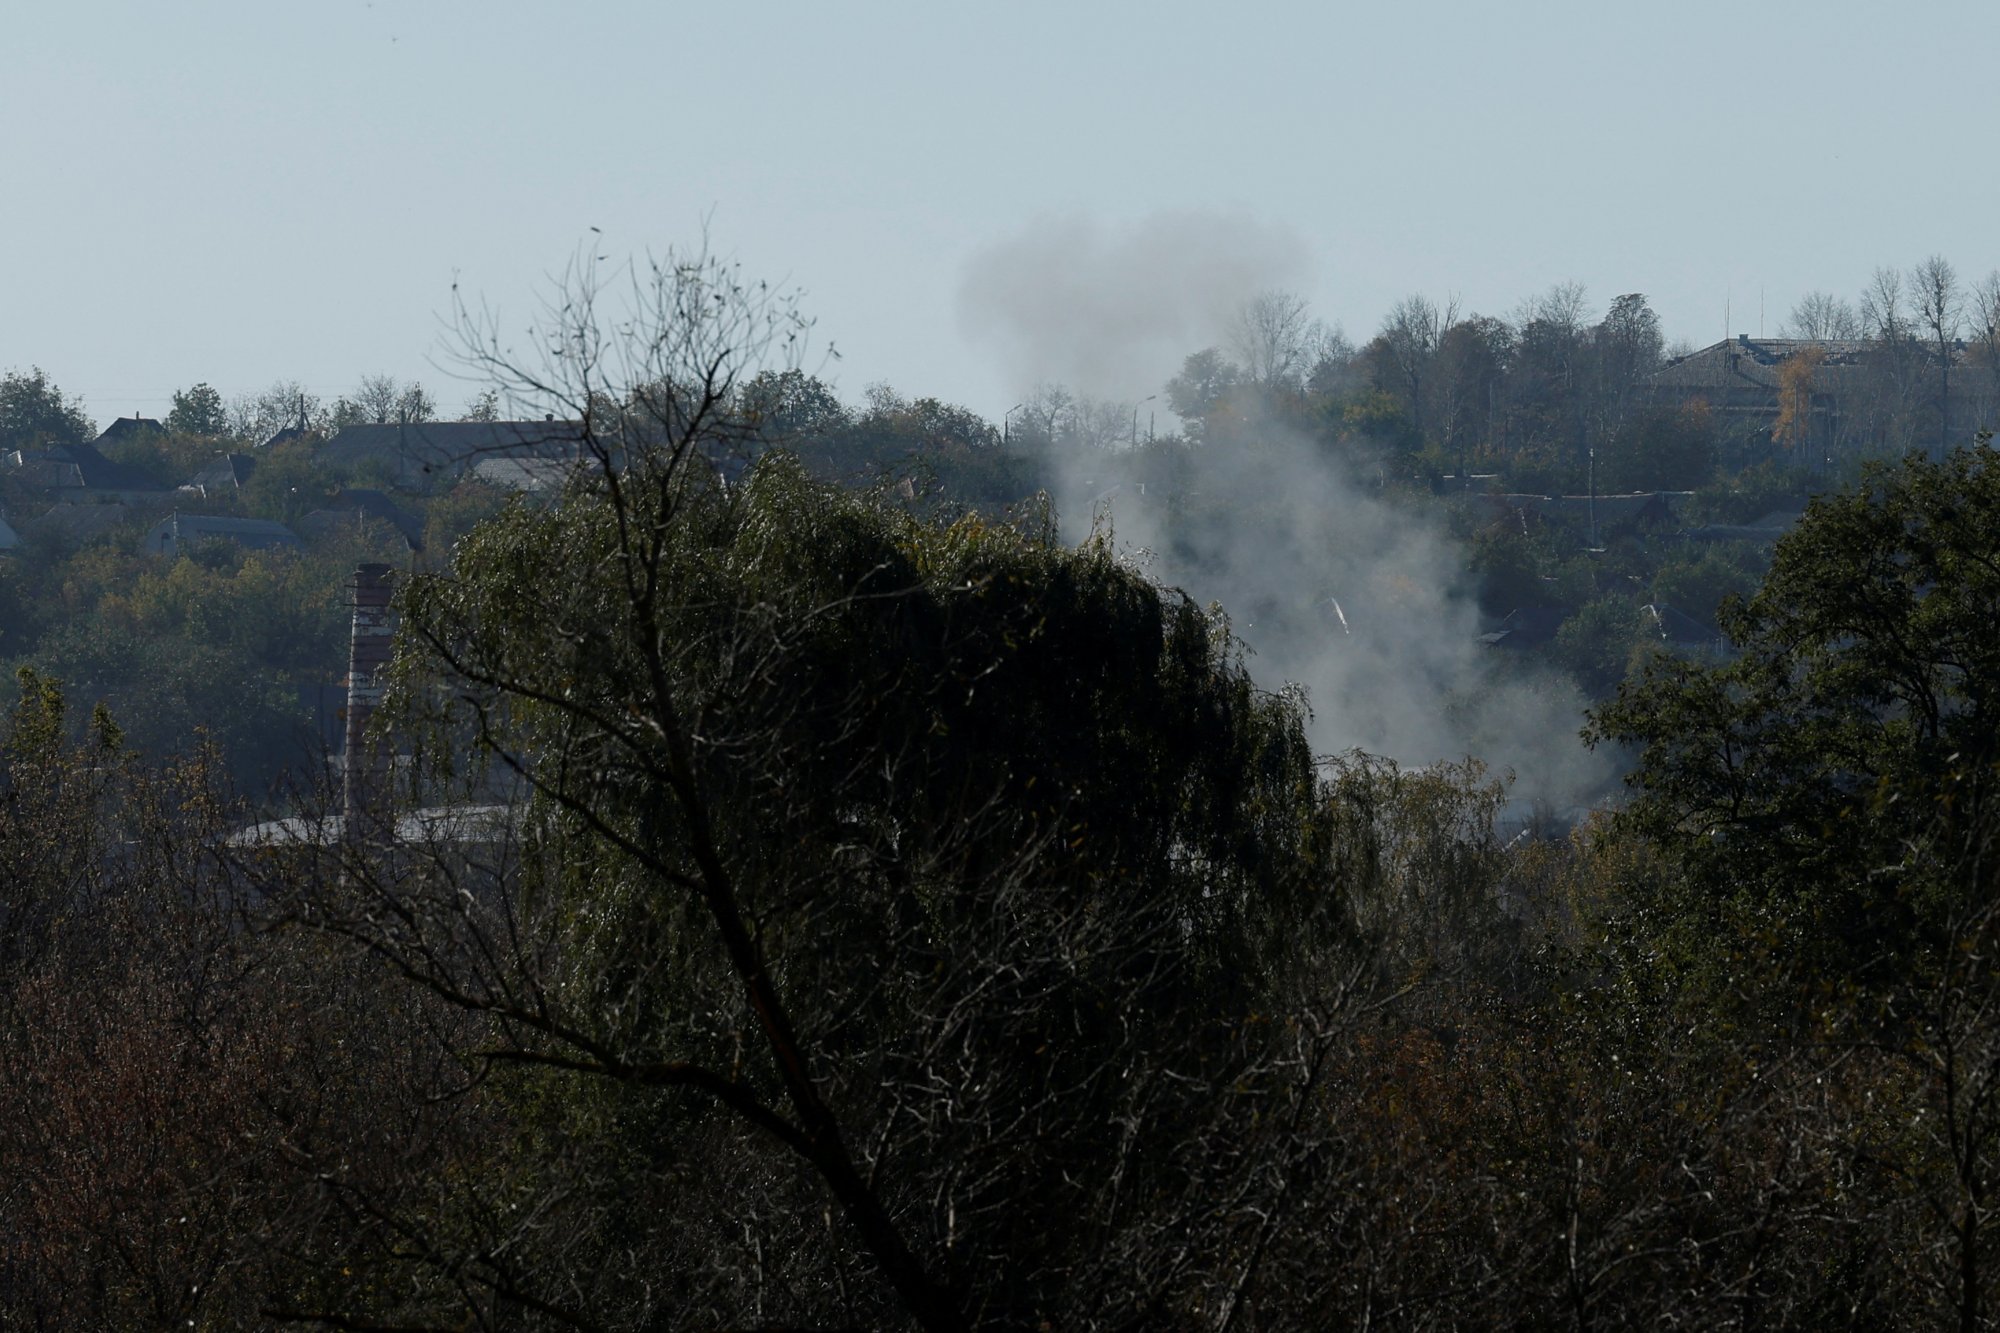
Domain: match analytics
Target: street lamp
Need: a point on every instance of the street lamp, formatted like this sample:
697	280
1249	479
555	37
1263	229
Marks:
1135	418
1003	422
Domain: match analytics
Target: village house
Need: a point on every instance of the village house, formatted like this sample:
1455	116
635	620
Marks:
225	476
1825	400
424	455
178	532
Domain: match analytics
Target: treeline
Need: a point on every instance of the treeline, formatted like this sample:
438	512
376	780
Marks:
1437	406
242	646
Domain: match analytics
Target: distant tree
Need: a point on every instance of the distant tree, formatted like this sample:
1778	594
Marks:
198	411
1628	341
1983	354
892	434
1894	369
1275	339
1045	420
1696	583
287	484
1403	351
1821	316
376	398
792	405
1623	349
1940	308
382	399
1596	643
255	417
1471	368
1546	399
482	406
1670	449
415	404
1205	380
1795	395
35	414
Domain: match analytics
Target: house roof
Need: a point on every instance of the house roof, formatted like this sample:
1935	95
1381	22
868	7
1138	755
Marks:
450	447
1745	362
1611	510
43	469
536	476
1765	530
130	428
285	435
226	473
1678	627
101	474
1524	627
356	503
79	521
253	532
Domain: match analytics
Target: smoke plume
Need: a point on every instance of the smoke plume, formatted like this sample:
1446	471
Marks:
1350	594
1110	312
1334	584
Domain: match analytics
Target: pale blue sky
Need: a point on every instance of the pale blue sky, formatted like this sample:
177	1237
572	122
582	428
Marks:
239	192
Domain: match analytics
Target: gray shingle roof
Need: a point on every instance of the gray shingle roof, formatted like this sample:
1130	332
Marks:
178	529
101	474
356	504
226	473
128	428
428	450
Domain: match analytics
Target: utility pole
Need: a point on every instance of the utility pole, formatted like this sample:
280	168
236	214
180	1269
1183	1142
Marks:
1593	497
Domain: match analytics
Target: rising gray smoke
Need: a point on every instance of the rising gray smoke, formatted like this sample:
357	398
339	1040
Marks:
1358	599
1110	312
1334	586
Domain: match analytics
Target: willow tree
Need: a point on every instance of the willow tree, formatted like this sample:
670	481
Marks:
901	906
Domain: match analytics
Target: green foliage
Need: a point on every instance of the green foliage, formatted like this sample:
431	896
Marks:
1697	583
1597	643
288	483
1507	564
1663	450
996	667
1857	729
166	460
1750	494
198	411
35	414
929	763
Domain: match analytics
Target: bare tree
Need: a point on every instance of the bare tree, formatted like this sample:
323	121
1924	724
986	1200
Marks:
1940	308
1984	321
1820	316
382	399
1409	336
1275	339
1886	317
254	418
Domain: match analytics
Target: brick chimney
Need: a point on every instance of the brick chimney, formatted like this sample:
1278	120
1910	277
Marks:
365	789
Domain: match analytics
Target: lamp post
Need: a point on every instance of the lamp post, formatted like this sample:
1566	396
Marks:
1003	422
1135	418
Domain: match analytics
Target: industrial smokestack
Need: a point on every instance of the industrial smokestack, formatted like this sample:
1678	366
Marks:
365	789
